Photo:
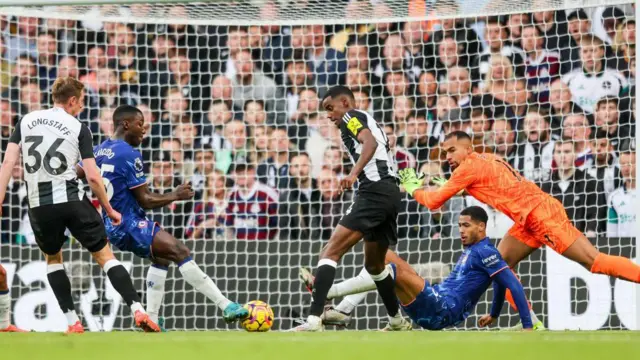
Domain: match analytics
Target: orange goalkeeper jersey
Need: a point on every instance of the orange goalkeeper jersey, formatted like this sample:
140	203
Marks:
491	180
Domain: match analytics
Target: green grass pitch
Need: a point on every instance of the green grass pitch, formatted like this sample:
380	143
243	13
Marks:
356	345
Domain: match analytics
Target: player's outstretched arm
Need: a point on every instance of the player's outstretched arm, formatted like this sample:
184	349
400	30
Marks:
150	200
503	280
11	156
434	199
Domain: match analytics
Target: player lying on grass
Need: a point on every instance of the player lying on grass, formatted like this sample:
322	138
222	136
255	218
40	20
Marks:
539	218
123	174
449	303
5	305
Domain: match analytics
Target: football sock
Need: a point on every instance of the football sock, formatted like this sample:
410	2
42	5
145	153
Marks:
361	283
121	281
202	282
386	288
156	277
5	309
616	266
350	302
324	279
61	286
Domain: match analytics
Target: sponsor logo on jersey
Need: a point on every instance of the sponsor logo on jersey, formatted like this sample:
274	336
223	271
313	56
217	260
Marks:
490	260
142	224
108	153
354	125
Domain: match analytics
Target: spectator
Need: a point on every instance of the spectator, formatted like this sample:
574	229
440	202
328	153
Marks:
328	64
358	56
24	71
395	84
298	77
515	23
553	27
458	86
363	100
126	57
163	180
504	140
105	124
176	106
188	134
334	160
427	93
31	97
96	59
416	57
535	156
480	126
461	31
24	41
357	78
261	136
253	207
251	84
402	107
204	161
14	207
218	116
498	77
561	105
542	66
594	81
254	113
577	129
237	40
404	158
498	44
108	87
306	112
274	172
173	145
47	46
6	68
621	219
188	83
419	137
448	56
300	205
605	168
607	118
205	221
222	89
235	132
393	57
7	120
334	202
575	189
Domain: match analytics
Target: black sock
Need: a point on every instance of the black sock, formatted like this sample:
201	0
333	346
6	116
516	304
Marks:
324	279
61	287
386	289
121	281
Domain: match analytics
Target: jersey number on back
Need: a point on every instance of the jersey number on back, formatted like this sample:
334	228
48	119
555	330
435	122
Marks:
107	184
51	154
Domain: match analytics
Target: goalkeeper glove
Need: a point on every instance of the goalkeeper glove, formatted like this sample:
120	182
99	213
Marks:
439	182
410	180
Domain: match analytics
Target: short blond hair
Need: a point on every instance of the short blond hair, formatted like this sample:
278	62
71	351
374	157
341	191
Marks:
65	88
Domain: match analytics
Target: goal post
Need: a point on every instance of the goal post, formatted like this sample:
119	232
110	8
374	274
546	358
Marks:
228	83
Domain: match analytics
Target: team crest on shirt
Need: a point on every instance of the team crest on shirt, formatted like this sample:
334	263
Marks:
255	208
353	125
606	85
137	164
142	224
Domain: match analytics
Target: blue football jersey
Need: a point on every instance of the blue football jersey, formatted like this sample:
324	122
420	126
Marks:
471	277
122	169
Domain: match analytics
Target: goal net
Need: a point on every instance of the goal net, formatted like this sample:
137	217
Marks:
231	92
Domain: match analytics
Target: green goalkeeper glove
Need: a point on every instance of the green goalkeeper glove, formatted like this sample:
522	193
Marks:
439	182
410	180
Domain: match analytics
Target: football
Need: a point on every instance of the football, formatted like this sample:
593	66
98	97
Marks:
260	316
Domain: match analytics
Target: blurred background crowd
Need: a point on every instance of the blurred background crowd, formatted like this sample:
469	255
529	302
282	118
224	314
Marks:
236	110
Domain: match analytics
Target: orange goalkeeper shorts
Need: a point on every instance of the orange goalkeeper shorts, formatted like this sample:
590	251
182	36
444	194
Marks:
548	224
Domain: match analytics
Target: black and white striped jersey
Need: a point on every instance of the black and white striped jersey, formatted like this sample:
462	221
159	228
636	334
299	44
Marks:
52	143
383	164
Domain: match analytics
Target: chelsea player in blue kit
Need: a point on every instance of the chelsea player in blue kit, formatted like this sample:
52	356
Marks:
123	174
450	303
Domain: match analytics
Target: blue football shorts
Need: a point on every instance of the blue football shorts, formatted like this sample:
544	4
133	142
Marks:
134	235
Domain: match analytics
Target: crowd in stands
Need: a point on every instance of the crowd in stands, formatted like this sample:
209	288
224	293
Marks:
236	110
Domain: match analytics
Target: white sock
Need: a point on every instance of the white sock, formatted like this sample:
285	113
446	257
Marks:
361	283
203	283
534	318
156	277
350	302
5	310
136	306
72	317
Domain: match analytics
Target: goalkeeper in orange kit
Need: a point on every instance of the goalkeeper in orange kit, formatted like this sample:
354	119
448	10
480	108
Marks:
539	218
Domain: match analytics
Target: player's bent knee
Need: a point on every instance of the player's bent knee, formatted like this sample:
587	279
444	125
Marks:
54	259
103	256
